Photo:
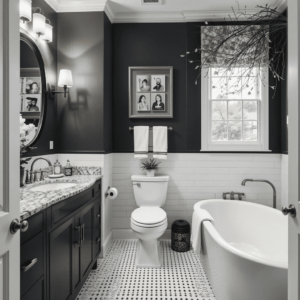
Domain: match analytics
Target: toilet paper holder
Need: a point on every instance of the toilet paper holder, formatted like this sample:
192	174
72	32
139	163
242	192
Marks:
106	193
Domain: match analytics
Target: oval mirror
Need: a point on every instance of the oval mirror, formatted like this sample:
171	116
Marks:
32	87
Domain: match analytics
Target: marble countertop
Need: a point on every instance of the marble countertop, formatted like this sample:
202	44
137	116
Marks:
32	202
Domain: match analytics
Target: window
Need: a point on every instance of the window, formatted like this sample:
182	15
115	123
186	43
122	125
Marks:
234	108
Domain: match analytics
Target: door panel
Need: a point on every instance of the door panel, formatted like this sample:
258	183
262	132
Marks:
9	148
61	253
86	249
293	146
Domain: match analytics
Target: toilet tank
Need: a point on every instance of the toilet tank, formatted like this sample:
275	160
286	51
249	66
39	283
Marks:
150	191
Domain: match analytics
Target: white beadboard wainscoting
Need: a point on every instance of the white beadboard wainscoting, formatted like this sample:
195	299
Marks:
195	177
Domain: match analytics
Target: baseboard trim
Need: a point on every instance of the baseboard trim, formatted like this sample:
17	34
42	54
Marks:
127	234
106	244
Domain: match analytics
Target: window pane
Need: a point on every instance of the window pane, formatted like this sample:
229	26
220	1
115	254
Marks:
250	110
219	131
250	88
219	110
234	72
218	72
234	130
218	88
250	131
234	110
234	87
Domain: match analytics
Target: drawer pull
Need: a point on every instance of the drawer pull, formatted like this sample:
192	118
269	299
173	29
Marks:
98	239
26	268
98	216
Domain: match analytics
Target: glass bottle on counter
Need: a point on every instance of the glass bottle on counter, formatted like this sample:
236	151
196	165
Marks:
57	168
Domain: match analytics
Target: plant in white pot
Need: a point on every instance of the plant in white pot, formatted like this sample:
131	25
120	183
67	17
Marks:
151	166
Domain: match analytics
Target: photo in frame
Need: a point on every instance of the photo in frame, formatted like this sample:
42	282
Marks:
31	103
150	92
143	102
158	101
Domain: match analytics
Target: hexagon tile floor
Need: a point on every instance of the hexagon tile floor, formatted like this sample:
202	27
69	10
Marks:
116	278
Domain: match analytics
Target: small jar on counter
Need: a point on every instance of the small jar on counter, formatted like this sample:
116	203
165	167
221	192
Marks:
57	168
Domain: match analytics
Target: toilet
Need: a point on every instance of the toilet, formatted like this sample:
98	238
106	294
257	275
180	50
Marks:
149	221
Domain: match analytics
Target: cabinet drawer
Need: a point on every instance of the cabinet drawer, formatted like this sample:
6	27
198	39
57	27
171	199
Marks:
36	225
36	292
65	208
32	257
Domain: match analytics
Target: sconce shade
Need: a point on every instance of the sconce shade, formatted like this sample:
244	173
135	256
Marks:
25	10
65	78
39	24
47	37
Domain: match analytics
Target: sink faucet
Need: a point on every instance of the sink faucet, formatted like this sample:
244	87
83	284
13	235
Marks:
32	165
266	181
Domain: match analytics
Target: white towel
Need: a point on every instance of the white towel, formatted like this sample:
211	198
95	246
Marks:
141	140
160	142
199	216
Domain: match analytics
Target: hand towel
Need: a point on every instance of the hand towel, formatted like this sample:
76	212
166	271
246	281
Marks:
141	140
199	216
160	142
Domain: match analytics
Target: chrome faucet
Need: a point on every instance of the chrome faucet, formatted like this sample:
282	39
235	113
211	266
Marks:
266	181
32	165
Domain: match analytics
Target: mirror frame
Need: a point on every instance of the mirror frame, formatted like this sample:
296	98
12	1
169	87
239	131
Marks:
33	46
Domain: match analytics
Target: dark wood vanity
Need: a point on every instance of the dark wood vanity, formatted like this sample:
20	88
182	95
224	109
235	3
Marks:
61	246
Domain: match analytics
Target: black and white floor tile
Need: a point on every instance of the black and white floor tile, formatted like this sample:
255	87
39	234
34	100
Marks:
116	278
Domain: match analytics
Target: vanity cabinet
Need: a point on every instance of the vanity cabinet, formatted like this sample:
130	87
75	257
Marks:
71	245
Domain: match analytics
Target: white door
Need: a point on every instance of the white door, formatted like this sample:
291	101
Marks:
9	149
294	146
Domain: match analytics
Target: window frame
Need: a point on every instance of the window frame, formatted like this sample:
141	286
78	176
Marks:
262	143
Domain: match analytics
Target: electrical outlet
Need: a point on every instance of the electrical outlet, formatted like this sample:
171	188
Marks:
51	145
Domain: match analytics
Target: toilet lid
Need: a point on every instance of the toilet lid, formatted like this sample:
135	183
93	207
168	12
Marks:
149	215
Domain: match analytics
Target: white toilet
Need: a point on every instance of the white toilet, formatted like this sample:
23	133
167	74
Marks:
149	221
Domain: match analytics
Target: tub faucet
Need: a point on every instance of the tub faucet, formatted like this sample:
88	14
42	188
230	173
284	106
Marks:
31	169
266	181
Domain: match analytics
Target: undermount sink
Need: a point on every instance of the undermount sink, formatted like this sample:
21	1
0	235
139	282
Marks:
52	186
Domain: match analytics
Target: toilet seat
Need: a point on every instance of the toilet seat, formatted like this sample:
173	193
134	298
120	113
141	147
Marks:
148	217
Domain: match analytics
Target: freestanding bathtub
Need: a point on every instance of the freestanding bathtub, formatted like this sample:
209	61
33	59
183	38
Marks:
245	255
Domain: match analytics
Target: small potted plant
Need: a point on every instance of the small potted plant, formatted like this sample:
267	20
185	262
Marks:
151	166
24	131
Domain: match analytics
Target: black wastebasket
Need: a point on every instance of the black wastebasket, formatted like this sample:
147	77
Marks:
180	236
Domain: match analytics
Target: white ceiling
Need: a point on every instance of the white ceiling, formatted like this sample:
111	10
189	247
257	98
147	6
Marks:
124	11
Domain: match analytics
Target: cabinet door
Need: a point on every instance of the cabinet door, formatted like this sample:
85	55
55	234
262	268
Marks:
86	249
36	292
60	260
97	228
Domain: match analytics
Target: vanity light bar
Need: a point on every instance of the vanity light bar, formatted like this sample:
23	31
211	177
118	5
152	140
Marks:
150	128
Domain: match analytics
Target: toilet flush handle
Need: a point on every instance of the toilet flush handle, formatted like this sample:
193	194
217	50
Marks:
137	183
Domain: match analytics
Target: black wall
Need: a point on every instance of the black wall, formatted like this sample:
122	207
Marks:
108	86
81	118
161	45
49	54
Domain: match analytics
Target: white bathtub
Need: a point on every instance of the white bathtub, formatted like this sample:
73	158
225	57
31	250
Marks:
245	255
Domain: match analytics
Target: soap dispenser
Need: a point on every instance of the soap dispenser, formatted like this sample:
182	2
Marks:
68	169
57	168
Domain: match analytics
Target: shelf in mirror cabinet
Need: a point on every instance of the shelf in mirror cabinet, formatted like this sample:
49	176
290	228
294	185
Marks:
30	114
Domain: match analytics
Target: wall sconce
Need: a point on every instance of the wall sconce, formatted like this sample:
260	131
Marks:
47	37
25	11
39	21
65	80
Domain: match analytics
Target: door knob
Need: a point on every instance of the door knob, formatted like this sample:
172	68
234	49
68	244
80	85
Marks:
16	225
291	210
